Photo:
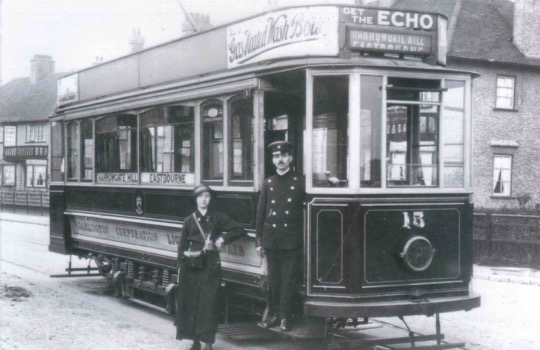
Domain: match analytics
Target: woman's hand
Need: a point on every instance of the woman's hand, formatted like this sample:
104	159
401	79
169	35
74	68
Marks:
219	243
260	251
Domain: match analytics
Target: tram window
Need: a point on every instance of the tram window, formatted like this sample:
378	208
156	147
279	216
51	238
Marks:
330	139
452	134
87	150
167	145
212	118
412	145
116	145
57	152
241	125
73	138
419	90
370	131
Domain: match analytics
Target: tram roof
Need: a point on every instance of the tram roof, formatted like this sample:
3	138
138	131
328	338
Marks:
227	53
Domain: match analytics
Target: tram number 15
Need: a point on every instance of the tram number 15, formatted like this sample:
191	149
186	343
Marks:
416	221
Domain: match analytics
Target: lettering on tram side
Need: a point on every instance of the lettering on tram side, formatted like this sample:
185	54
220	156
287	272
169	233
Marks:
288	33
389	41
117	178
114	231
92	227
168	178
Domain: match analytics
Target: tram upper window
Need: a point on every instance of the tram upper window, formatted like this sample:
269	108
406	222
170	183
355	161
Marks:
212	118
167	145
412	144
330	138
87	150
241	153
73	138
116	148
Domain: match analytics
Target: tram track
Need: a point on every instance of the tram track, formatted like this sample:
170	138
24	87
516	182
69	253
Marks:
401	328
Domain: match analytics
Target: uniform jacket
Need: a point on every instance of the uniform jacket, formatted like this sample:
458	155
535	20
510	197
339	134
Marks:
280	212
197	298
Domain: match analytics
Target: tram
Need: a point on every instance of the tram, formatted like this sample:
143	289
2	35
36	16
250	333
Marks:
381	130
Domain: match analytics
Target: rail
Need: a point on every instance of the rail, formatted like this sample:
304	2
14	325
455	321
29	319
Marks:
507	236
24	200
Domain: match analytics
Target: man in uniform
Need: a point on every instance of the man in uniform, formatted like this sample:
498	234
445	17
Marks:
279	230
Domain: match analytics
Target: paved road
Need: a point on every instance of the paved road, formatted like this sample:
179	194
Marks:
77	313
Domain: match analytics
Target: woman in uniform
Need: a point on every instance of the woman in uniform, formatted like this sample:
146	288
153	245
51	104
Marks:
199	269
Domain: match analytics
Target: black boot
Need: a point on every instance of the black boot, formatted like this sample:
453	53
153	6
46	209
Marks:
196	345
268	323
285	326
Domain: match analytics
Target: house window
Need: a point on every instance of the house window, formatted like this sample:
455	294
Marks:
10	136
1	134
36	175
502	175
8	175
505	92
34	133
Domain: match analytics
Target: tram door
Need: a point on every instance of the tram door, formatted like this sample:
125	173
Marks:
283	114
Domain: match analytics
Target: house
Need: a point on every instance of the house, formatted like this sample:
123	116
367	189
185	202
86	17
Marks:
25	105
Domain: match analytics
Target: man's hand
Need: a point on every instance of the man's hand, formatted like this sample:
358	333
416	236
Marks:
260	251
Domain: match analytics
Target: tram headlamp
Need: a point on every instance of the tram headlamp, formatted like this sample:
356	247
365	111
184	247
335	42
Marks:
417	253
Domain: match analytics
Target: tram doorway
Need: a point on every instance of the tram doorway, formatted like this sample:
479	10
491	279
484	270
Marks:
284	120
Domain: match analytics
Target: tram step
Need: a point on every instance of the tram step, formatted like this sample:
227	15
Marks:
246	331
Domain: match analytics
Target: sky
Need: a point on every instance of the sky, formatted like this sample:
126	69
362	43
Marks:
75	32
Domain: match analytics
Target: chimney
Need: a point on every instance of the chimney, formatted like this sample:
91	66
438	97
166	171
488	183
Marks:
527	27
41	66
136	41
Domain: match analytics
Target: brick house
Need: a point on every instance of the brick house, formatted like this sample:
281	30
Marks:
499	40
25	105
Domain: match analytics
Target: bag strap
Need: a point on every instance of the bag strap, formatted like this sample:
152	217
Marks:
199	226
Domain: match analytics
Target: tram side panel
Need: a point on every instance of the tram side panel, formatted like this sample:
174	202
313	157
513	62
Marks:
400	257
136	231
59	229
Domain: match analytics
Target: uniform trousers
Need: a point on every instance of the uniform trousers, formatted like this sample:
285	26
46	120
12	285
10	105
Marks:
283	266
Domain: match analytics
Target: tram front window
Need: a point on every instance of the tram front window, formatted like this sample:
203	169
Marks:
330	139
370	131
412	133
